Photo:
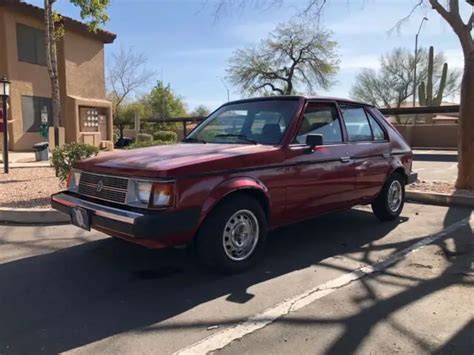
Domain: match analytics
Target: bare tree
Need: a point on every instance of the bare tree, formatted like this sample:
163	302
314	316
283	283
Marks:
126	73
296	55
393	84
449	10
464	31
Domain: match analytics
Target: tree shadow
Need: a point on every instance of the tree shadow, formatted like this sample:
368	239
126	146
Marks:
358	326
75	296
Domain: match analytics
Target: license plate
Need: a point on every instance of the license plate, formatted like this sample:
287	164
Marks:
80	218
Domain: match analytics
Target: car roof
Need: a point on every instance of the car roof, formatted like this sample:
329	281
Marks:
299	97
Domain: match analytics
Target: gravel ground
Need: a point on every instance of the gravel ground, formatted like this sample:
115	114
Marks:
28	187
444	187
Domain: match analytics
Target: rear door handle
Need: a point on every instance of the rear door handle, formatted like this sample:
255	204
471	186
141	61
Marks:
346	159
386	155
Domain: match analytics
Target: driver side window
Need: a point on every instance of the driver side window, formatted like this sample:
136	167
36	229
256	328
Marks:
320	118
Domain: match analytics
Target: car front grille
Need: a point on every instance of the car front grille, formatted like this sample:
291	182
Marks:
104	187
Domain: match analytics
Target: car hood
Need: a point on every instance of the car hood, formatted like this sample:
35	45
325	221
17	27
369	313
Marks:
181	159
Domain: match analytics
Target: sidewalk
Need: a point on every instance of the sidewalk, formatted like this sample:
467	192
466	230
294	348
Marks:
435	155
23	160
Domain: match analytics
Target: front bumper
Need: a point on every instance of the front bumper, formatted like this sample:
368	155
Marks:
146	225
412	177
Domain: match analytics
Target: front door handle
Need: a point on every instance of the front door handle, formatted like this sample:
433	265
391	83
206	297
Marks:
346	159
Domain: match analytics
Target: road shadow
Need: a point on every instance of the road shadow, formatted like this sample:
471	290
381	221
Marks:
436	157
68	298
460	260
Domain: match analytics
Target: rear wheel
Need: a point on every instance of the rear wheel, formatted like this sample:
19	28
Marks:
389	204
232	237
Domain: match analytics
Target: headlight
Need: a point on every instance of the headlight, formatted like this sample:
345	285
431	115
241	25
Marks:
73	180
144	193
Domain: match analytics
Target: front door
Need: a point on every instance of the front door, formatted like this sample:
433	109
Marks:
324	179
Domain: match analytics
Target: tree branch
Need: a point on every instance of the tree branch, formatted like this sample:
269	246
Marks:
271	86
470	23
315	3
402	21
455	21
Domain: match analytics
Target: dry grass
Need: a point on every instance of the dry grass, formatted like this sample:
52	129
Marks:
28	187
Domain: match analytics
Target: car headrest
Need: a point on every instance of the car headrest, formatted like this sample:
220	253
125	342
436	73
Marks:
271	133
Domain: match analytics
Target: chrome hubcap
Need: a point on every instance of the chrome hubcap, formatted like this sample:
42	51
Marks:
395	195
241	234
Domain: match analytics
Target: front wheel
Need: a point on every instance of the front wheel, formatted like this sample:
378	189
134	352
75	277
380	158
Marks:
389	203
232	238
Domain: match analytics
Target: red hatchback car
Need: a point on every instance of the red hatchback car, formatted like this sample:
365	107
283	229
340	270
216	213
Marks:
251	166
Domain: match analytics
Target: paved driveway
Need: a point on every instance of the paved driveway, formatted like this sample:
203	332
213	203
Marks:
65	290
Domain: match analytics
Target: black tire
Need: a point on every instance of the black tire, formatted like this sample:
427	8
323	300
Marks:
210	238
381	206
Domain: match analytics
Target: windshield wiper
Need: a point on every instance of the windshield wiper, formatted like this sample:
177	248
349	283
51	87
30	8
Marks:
241	136
192	139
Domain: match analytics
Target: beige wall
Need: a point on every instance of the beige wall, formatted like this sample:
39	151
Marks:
27	79
430	136
84	68
81	71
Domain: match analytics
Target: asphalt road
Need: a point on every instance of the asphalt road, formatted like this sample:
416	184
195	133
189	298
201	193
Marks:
65	290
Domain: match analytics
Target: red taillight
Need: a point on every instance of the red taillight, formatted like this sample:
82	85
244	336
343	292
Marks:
68	180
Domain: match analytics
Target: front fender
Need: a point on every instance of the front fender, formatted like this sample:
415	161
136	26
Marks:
227	187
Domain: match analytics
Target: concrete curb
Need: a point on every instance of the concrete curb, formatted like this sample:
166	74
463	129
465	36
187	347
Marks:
32	216
433	198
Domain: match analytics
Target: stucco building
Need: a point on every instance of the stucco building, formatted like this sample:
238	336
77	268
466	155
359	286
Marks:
86	114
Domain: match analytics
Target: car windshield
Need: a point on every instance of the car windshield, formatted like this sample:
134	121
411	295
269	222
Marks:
252	122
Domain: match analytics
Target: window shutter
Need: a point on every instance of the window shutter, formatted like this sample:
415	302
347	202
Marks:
40	48
30	44
28	113
25	43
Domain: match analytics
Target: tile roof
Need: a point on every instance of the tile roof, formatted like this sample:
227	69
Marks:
69	23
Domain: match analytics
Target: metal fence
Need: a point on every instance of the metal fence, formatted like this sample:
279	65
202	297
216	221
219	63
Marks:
451	109
183	120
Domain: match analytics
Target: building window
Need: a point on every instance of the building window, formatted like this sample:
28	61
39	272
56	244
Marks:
30	45
31	107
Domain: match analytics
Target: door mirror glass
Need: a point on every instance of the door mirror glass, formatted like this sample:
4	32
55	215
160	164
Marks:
314	140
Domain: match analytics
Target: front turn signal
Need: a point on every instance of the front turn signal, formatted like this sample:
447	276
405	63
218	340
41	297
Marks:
162	194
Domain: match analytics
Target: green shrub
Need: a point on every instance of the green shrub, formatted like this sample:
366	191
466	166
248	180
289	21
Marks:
144	137
147	144
167	136
140	145
64	157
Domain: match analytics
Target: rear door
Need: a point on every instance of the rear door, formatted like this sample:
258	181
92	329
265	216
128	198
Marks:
369	150
324	179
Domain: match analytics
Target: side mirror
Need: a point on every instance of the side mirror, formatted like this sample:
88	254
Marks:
313	140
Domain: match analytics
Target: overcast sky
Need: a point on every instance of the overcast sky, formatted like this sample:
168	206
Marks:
183	40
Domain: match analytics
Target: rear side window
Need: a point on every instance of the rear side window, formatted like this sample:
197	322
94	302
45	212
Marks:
320	118
357	124
378	132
